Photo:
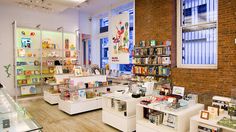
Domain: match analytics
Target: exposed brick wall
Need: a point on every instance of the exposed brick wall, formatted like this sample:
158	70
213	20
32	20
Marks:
155	20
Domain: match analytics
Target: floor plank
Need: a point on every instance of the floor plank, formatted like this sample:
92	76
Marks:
54	120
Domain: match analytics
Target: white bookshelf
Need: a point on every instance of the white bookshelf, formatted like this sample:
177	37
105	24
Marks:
122	120
182	119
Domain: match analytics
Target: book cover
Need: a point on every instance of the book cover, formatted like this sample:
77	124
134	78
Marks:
82	94
19	71
27	90
67	54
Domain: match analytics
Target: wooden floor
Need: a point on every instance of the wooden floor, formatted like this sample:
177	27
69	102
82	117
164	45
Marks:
54	120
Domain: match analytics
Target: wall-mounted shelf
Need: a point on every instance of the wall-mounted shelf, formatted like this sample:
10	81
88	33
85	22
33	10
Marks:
154	60
37	50
147	47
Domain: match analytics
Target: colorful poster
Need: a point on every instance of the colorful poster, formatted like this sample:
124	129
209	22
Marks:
119	39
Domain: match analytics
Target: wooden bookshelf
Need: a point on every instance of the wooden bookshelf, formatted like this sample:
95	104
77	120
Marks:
153	60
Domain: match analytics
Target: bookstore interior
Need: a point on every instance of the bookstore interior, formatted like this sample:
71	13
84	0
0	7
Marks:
118	65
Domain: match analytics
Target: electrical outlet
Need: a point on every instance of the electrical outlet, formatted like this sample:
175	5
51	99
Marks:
235	41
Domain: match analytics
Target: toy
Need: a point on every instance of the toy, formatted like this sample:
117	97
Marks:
24	81
51	70
22	32
32	34
36	72
72	47
36	63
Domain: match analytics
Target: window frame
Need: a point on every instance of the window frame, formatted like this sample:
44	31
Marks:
179	42
103	29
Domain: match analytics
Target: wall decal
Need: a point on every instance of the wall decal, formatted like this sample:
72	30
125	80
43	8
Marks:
7	68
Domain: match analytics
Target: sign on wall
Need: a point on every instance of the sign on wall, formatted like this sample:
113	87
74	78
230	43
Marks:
119	39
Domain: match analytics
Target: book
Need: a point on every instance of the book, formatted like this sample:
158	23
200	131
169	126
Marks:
67	44
34	80
166	60
19	71
59	70
82	94
67	54
27	90
28	73
21	52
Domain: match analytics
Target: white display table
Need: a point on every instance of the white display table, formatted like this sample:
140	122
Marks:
53	98
122	120
60	78
75	107
182	119
196	120
50	97
86	79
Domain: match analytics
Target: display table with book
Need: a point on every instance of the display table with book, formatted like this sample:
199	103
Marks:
170	121
212	124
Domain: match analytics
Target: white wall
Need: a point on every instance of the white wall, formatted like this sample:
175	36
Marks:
85	23
68	19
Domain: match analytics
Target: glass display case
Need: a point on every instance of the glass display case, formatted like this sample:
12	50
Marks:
13	117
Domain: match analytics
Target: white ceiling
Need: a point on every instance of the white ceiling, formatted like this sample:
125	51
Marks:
45	5
89	6
95	6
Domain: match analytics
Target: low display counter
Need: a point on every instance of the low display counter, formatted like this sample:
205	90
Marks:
119	111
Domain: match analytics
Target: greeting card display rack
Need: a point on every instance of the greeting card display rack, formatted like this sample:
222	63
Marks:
152	61
37	53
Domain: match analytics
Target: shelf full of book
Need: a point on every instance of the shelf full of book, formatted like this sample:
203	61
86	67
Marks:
152	60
